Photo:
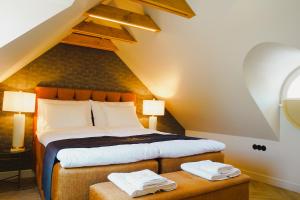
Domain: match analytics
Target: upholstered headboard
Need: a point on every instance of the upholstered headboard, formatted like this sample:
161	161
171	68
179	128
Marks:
68	94
79	95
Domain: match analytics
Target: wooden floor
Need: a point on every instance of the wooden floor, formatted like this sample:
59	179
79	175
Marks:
258	191
261	191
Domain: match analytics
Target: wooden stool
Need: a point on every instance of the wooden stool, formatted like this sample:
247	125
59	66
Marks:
189	187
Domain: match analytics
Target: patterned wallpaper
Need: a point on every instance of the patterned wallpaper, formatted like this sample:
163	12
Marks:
76	67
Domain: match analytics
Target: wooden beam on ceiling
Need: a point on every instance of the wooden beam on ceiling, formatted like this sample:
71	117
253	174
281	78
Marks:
97	30
88	41
106	2
123	17
178	7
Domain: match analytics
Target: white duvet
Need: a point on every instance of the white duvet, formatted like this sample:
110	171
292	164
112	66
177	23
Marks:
80	157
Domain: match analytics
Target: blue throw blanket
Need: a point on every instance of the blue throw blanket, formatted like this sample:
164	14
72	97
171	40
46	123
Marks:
54	147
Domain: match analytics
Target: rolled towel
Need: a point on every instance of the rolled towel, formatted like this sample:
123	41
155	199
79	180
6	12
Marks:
233	173
144	179
119	179
214	167
193	168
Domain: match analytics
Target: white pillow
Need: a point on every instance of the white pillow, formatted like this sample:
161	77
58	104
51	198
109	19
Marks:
99	115
58	114
121	116
100	118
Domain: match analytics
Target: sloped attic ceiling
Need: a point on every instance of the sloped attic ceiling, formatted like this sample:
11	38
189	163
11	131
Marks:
31	28
197	64
19	17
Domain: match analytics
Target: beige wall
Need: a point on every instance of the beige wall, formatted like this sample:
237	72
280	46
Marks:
197	64
278	166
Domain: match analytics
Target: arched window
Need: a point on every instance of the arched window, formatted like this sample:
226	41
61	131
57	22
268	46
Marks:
293	91
291	97
291	87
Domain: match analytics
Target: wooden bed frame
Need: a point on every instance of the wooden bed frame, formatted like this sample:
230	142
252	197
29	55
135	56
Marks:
73	184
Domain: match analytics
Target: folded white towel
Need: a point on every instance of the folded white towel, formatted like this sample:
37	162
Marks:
194	168
191	168
120	180
214	167
144	179
233	173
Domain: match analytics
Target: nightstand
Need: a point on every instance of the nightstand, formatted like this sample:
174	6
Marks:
15	161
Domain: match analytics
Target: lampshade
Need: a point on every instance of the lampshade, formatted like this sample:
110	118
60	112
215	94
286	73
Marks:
18	101
153	107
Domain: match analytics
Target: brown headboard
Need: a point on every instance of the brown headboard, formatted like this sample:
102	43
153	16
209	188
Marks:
79	95
68	94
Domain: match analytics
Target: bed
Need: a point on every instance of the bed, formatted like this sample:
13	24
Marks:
73	183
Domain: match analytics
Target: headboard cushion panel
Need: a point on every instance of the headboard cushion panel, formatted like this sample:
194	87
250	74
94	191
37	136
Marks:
113	96
79	95
46	93
65	94
128	97
83	95
98	96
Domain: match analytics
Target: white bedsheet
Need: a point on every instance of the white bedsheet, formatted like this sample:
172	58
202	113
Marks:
80	157
60	134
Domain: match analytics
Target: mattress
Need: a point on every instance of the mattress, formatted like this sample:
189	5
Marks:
82	157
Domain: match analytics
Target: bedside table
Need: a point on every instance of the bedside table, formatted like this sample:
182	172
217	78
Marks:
15	161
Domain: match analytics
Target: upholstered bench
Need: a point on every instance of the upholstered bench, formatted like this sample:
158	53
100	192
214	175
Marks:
190	187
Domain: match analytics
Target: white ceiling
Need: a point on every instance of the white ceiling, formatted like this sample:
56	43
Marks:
18	17
34	26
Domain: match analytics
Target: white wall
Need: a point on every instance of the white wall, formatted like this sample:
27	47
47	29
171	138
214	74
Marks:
197	64
279	165
266	68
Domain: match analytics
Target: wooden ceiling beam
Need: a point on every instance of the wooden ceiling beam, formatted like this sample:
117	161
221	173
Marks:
97	30
106	2
123	17
88	41
178	7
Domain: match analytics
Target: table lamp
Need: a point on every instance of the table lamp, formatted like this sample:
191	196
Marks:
153	108
20	102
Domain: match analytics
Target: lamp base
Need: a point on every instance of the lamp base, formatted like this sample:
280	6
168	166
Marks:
152	122
17	149
18	131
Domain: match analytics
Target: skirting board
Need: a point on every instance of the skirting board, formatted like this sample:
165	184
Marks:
273	181
24	174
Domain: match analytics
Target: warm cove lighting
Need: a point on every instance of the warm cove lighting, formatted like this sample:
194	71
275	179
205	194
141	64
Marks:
121	22
153	108
20	102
